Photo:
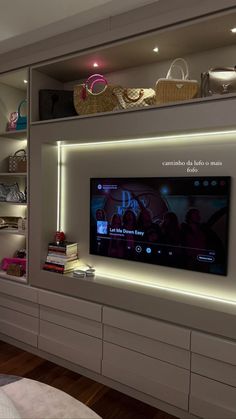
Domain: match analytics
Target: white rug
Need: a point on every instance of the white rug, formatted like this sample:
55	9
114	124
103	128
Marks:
35	400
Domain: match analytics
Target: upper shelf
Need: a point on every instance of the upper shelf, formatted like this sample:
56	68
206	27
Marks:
205	42
15	135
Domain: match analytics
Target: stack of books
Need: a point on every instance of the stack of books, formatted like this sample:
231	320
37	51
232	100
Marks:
62	258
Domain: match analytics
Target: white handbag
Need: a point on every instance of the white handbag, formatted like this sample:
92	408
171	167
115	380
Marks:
133	97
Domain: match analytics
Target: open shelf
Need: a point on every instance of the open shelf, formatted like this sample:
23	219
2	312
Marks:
21	279
14	203
13	174
15	135
132	62
13	231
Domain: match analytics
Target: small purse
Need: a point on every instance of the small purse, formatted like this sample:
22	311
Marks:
170	89
134	97
11	193
88	99
22	119
18	162
219	81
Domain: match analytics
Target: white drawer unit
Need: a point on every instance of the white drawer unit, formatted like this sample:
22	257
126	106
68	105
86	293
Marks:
210	399
150	328
159	379
70	345
70	321
153	348
19	326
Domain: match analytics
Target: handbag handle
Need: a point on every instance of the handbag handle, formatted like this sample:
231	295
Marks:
182	65
93	80
128	99
18	152
23	102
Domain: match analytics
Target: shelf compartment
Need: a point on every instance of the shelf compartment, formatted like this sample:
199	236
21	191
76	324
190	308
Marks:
14	203
13	231
15	135
21	279
13	174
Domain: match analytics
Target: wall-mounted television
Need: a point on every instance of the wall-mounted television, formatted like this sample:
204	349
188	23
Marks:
180	222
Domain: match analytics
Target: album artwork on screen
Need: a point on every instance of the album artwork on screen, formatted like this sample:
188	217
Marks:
179	222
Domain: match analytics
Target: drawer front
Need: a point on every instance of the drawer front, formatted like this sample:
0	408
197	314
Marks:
19	326
19	290
71	305
150	376
144	326
217	370
17	304
150	347
75	347
214	347
212	400
70	321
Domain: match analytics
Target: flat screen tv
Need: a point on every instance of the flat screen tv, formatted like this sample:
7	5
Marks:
180	222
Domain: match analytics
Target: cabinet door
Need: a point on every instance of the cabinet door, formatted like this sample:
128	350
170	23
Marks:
153	348
214	347
73	346
211	399
71	305
19	326
144	326
151	376
70	321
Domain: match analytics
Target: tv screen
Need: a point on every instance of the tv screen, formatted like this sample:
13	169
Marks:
179	222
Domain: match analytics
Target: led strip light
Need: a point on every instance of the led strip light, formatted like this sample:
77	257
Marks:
141	140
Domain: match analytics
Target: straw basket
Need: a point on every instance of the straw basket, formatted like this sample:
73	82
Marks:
173	90
87	101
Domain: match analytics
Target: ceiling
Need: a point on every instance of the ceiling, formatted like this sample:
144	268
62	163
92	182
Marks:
23	22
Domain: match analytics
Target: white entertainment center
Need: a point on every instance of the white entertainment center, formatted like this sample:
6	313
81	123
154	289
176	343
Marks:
162	335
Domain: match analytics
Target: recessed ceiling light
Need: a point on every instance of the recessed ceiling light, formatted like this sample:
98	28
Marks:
156	49
25	81
95	64
233	30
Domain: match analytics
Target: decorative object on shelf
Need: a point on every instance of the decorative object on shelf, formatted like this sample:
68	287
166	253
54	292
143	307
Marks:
15	270
14	194
90	98
84	272
56	104
11	193
21	254
218	81
129	98
16	261
22	224
170	89
18	162
62	256
10	222
22	115
60	237
11	125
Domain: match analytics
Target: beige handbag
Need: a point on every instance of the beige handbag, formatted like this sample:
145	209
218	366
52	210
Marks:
171	90
88	100
134	97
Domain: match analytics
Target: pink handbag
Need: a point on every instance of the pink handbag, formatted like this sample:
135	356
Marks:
17	261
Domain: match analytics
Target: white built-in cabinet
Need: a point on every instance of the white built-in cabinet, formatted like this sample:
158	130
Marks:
162	363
